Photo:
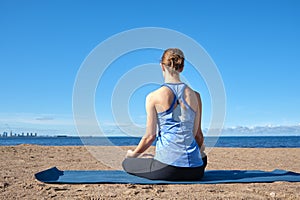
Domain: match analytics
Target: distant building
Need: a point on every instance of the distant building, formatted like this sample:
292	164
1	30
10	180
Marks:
4	134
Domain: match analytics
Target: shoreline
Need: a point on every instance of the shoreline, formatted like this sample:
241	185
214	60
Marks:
19	163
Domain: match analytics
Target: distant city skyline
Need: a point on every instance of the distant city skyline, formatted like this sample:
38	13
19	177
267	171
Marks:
12	134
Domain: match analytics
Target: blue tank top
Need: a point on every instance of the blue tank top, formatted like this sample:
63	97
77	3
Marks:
175	144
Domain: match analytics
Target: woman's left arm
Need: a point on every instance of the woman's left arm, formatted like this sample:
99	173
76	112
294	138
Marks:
150	134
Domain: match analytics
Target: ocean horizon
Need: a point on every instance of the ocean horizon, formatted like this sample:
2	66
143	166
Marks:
223	141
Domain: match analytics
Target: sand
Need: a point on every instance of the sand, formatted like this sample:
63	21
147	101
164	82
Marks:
18	165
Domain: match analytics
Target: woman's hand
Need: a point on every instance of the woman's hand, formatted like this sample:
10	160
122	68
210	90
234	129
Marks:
202	149
131	154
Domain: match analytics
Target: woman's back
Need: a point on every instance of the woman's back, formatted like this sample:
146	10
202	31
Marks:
176	110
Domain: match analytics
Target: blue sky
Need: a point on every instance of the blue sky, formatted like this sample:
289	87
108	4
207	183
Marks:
255	45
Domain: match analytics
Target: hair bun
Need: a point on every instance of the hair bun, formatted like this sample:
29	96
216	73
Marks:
173	58
176	61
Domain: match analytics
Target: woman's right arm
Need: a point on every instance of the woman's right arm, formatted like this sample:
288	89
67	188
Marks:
197	126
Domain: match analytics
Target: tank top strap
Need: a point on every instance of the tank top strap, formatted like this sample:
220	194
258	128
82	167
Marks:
180	91
177	89
171	88
175	99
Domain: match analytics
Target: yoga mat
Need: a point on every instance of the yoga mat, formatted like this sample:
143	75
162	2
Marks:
54	175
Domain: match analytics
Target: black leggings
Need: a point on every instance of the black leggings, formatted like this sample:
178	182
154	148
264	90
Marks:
155	170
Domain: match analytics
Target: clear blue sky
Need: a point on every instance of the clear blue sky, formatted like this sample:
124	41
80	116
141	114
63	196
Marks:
254	43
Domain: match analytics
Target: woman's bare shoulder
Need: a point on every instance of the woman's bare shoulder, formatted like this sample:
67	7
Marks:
160	91
159	94
190	91
197	93
154	93
198	96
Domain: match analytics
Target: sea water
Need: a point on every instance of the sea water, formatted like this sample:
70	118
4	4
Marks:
249	142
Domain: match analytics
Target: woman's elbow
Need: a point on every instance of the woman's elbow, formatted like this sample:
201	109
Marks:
150	138
199	137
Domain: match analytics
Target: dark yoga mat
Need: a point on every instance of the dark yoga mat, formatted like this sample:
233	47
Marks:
54	175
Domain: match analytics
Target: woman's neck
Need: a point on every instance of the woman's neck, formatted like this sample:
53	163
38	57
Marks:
172	78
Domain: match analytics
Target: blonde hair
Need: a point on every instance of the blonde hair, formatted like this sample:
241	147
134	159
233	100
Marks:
173	58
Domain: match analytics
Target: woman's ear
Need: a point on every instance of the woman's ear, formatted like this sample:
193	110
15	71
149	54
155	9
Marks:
162	67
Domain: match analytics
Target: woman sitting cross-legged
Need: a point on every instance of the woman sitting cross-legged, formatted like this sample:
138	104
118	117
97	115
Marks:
175	109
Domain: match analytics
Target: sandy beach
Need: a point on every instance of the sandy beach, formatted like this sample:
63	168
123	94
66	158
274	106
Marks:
18	165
